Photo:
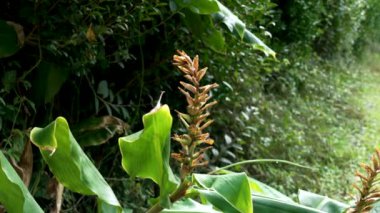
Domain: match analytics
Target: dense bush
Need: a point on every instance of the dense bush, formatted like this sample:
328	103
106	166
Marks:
299	107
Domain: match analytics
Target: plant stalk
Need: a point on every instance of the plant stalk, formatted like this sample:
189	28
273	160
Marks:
178	194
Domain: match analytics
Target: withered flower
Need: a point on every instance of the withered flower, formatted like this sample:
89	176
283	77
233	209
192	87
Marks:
369	192
196	119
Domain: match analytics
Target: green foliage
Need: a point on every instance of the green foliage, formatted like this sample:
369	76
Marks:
57	145
219	14
191	206
229	193
101	58
319	202
151	146
267	205
14	195
267	201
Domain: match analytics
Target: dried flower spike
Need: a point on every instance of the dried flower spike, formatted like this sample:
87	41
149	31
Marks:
369	192
196	118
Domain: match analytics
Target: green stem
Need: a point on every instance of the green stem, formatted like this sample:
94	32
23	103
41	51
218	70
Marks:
260	161
178	194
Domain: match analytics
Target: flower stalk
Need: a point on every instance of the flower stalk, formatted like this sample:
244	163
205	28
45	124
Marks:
369	192
195	142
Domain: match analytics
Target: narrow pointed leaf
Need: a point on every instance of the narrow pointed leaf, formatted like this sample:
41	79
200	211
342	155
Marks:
69	164
13	193
146	153
228	193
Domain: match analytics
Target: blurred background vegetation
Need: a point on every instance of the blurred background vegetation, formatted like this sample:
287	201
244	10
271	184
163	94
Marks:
314	104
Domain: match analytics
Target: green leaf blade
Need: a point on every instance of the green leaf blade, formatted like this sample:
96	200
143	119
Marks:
69	164
206	30
229	193
189	206
13	194
203	27
264	204
146	153
320	202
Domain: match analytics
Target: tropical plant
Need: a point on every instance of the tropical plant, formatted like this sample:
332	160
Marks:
82	60
225	192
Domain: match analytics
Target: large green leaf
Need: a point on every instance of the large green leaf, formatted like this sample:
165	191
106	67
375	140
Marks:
189	206
264	204
202	27
259	188
229	193
69	164
10	41
146	153
237	27
220	14
320	202
13	193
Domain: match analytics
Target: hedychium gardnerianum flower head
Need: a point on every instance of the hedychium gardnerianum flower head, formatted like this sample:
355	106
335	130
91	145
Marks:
369	192
196	141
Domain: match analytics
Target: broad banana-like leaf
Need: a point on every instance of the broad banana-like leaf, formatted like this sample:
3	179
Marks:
13	193
189	206
203	27
267	200
229	193
69	164
320	202
264	204
220	14
146	153
11	38
259	188
237	27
